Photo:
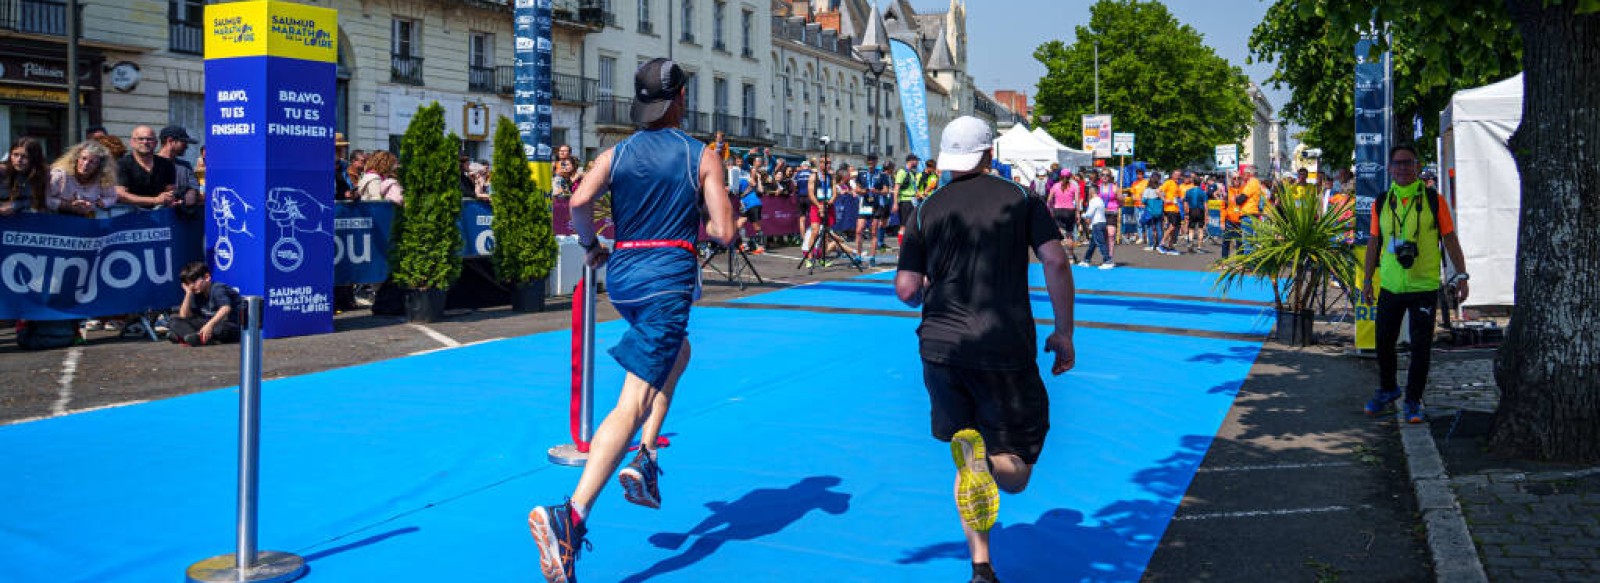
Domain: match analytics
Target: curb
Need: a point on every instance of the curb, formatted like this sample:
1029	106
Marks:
1455	557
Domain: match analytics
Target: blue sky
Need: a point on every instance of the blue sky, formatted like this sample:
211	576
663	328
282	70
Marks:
1004	34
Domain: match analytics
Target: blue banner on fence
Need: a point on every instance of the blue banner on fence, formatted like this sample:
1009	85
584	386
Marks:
913	97
59	267
1130	219
477	228
361	242
1214	222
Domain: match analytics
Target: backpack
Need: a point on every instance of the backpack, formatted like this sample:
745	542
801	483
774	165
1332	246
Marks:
47	334
1427	193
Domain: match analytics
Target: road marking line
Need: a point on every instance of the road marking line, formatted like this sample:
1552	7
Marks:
74	412
69	369
1275	467
434	334
1260	513
458	345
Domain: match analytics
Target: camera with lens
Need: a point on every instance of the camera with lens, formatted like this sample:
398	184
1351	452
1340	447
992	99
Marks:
1406	253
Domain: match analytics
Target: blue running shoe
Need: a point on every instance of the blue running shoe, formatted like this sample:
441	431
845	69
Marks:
558	537
1413	412
1381	400
639	481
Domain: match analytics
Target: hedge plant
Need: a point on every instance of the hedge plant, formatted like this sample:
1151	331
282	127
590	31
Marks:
427	242
525	243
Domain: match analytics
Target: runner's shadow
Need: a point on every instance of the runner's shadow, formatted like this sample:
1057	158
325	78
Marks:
757	514
1060	546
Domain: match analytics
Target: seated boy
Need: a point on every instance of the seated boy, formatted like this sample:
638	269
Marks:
210	311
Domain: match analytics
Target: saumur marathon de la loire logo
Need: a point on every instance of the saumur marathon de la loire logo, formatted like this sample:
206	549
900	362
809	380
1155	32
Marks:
233	29
301	30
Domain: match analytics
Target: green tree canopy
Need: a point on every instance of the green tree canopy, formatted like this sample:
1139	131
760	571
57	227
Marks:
1158	79
1312	45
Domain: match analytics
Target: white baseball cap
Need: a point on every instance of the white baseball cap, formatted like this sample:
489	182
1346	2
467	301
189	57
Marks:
963	143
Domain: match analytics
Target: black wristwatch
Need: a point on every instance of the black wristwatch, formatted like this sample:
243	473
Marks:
587	247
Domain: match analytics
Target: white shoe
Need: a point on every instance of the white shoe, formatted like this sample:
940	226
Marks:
93	325
113	325
1107	265
1149	248
1084	264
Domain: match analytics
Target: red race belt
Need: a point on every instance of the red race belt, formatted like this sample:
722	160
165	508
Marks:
656	244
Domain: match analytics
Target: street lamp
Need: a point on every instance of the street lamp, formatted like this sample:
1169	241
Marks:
1044	120
875	67
1097	77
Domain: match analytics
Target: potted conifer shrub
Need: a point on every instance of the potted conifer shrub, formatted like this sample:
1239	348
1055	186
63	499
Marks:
426	256
1297	248
525	242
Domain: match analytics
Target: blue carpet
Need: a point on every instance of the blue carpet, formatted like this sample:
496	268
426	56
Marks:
1138	279
800	453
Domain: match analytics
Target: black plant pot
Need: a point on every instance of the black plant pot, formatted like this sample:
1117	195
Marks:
1294	328
528	296
424	305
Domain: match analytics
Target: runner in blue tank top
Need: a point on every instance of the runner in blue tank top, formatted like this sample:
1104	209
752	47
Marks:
657	178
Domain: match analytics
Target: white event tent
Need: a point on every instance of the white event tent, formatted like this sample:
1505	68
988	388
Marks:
1026	152
1481	181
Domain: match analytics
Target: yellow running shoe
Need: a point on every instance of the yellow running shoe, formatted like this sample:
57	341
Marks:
977	497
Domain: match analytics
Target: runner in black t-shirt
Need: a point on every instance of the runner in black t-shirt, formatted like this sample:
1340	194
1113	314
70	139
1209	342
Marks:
965	261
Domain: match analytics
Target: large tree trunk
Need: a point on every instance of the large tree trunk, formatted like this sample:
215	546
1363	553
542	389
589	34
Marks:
1549	367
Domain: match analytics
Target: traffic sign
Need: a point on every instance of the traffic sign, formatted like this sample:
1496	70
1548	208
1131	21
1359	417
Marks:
1122	144
1228	157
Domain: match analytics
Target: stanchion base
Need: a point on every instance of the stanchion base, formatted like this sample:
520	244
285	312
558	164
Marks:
270	567
567	454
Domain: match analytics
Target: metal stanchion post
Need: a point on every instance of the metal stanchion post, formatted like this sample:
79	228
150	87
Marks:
247	564
567	454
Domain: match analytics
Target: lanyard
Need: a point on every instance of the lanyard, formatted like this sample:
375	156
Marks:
1397	223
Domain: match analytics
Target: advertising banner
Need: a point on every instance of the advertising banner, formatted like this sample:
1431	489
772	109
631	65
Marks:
361	233
1372	101
532	53
477	228
1122	144
1228	157
270	96
913	97
60	267
1097	135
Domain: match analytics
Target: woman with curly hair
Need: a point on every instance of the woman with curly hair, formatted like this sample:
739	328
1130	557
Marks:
83	181
25	179
378	183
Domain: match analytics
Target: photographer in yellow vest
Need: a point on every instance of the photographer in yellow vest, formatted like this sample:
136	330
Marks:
1409	224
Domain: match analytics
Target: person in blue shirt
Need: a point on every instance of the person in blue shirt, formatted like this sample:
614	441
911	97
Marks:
657	178
1150	227
1194	202
750	207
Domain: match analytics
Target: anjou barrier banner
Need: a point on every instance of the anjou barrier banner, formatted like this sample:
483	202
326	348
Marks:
59	267
269	158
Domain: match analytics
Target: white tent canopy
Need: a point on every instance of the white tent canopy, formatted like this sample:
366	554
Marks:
1069	157
1028	153
1486	192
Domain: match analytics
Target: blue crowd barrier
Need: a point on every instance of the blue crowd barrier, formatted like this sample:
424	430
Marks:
60	267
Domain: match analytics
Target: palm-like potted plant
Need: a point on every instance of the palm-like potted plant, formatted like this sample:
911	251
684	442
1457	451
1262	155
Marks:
426	254
1297	247
525	242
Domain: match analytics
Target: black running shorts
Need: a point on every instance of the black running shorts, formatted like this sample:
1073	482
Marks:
753	214
1066	220
1010	408
1197	219
1174	219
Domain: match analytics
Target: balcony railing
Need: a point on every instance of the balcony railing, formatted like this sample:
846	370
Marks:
740	127
747	53
612	111
588	14
37	16
696	122
647	27
186	37
574	89
505	79
481	79
719	46
405	69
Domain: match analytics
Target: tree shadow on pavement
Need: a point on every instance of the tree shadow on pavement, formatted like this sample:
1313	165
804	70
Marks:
757	514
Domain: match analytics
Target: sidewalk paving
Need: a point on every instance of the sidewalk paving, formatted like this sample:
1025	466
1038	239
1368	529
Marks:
1528	521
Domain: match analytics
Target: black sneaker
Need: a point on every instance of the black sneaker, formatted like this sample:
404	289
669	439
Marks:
639	480
558	538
